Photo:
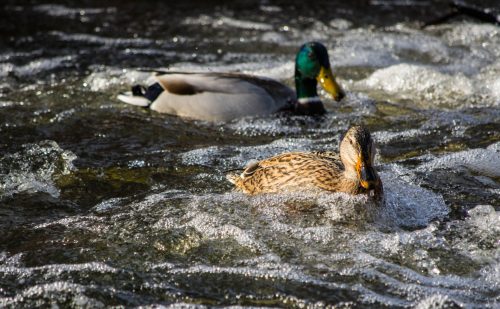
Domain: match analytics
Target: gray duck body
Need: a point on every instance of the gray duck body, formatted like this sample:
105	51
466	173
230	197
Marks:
220	96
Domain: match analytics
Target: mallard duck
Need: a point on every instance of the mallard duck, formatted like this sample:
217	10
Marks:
351	172
226	96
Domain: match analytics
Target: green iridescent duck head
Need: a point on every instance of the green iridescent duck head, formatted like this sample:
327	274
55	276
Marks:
312	65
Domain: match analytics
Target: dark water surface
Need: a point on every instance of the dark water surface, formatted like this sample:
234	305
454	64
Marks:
103	204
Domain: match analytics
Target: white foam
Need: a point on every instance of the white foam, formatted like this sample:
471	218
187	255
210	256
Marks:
273	69
32	169
212	227
91	223
109	77
35	66
415	81
485	219
340	24
407	204
488	80
467	33
334	207
495	88
55	270
368	48
256	126
239	156
483	161
282	271
388	136
48	290
58	10
226	22
491	273
96	39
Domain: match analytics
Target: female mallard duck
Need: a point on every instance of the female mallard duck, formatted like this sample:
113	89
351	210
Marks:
226	96
352	173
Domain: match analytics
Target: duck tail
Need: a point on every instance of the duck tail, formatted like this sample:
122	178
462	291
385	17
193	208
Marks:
140	95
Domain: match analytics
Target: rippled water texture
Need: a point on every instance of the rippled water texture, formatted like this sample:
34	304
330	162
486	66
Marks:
105	204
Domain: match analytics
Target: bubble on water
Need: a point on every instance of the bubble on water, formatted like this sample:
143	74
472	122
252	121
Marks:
96	39
108	204
494	147
202	156
53	293
488	80
456	120
263	126
52	273
243	24
226	22
385	137
183	305
410	81
437	301
279	68
481	230
467	33
83	301
495	88
281	271
365	47
333	206
491	273
340	24
276	147
273	36
33	168
35	66
272	69
415	286
102	80
414	246
6	68
212	227
217	223
57	10
408	205
483	161
10	262
56	270
239	156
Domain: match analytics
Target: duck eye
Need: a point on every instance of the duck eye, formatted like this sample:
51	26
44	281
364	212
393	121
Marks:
311	55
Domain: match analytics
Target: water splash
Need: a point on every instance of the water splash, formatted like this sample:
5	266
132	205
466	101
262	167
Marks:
33	168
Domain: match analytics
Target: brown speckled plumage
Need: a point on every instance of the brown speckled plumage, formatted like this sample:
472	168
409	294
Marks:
316	171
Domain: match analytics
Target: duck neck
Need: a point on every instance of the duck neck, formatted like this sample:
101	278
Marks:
308	101
351	175
349	183
306	89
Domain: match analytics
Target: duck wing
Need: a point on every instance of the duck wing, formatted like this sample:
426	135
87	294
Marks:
202	82
334	157
220	96
289	171
276	89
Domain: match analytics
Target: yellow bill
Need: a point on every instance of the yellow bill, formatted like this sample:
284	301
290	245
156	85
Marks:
366	174
328	82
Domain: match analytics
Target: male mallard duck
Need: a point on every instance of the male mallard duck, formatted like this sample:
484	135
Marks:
352	172
226	96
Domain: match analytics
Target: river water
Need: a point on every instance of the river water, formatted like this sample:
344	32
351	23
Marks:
103	204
